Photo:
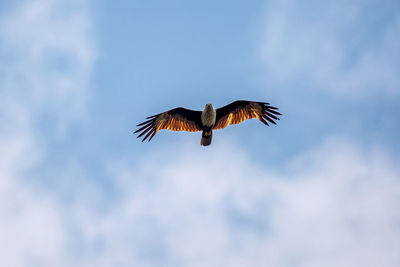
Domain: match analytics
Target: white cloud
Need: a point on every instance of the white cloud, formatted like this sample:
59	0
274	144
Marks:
46	58
339	46
30	225
333	205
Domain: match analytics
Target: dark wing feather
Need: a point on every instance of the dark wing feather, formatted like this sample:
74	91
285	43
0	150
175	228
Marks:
241	110
177	119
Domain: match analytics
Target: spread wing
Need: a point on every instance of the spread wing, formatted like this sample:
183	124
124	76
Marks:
241	110
177	119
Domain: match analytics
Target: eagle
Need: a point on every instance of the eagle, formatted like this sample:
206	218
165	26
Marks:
182	119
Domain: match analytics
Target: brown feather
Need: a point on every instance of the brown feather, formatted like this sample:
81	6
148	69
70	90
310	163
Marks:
270	115
263	121
145	131
241	110
181	119
178	119
268	119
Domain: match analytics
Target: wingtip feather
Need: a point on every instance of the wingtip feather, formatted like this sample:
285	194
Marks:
263	121
269	119
151	137
143	123
145	131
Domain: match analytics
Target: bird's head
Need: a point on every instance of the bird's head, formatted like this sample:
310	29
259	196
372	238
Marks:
208	107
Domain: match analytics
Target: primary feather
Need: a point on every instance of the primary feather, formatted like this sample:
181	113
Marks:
177	119
241	110
182	119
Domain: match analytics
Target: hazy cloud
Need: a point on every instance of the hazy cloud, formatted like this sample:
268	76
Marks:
332	205
335	204
46	58
343	47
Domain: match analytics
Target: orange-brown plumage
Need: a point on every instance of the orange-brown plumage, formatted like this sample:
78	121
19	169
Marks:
239	111
178	119
181	119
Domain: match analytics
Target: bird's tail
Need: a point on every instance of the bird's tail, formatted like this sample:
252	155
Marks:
206	138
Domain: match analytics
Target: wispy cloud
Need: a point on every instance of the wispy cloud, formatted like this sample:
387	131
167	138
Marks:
335	204
337	46
47	56
332	205
46	59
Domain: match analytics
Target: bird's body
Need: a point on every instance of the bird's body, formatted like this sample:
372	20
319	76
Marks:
208	117
182	119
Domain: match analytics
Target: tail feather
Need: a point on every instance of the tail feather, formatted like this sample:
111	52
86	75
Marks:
206	138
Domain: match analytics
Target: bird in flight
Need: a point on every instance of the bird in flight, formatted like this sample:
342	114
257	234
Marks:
182	119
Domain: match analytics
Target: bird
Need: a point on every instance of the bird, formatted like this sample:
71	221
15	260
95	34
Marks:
182	119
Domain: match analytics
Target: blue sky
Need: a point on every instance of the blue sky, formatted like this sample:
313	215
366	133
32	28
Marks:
322	188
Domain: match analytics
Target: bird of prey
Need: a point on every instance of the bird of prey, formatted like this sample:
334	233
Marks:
182	119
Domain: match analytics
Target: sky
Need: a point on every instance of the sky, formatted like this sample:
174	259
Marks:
322	188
